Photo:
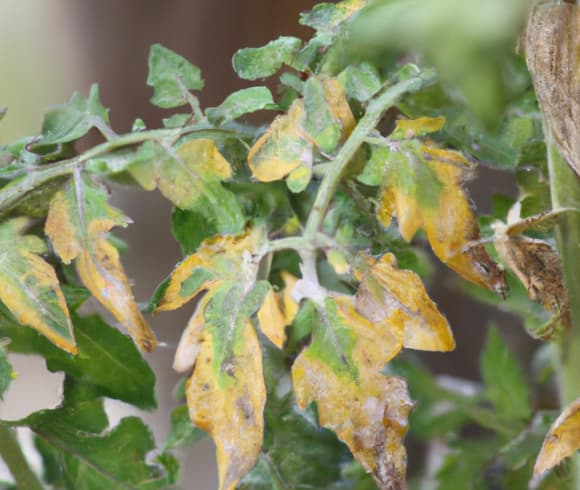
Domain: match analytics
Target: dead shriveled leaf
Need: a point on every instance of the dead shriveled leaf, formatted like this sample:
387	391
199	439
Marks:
551	44
29	286
562	440
396	300
78	222
423	187
340	371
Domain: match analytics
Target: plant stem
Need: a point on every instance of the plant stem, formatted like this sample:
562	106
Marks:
565	190
12	455
375	110
14	191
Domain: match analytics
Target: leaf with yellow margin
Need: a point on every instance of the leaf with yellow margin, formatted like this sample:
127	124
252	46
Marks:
423	187
190	177
220	257
396	300
562	440
226	393
340	371
278	311
29	287
79	219
322	119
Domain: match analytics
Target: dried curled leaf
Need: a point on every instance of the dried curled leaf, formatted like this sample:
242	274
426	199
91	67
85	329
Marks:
551	43
321	119
340	370
79	219
562	440
423	187
396	300
29	286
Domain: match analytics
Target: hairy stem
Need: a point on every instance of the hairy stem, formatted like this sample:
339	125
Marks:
373	114
12	455
565	190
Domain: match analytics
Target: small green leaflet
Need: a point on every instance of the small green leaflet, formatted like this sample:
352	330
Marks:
70	121
6	372
182	432
172	77
241	102
254	63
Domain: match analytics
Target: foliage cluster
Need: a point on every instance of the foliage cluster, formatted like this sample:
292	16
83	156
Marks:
304	249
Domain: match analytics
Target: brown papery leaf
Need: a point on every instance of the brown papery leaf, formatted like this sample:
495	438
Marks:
396	300
562	440
552	52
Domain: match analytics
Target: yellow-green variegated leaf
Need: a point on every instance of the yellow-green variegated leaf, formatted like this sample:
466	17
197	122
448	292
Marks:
217	258
396	299
423	188
79	219
29	287
226	393
191	178
340	371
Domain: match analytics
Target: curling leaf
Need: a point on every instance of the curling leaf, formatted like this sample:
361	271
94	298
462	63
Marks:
78	221
241	102
30	288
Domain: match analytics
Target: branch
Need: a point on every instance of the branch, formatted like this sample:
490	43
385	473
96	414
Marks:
12	455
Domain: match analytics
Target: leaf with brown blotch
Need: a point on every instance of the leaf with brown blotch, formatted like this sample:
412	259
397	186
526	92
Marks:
79	219
396	300
562	440
423	187
551	44
226	393
340	371
29	286
278	311
220	257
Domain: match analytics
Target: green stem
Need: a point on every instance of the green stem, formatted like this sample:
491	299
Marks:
375	110
565	190
14	191
12	455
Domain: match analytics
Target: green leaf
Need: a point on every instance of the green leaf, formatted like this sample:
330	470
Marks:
241	102
320	123
171	76
30	288
505	384
191	179
190	228
360	81
182	432
6	372
68	122
325	17
115	459
296	451
254	63
107	359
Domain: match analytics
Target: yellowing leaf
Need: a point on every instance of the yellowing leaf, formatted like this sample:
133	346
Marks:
423	188
322	118
562	440
411	128
396	300
278	311
78	221
29	287
190	177
226	392
282	148
340	370
217	258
